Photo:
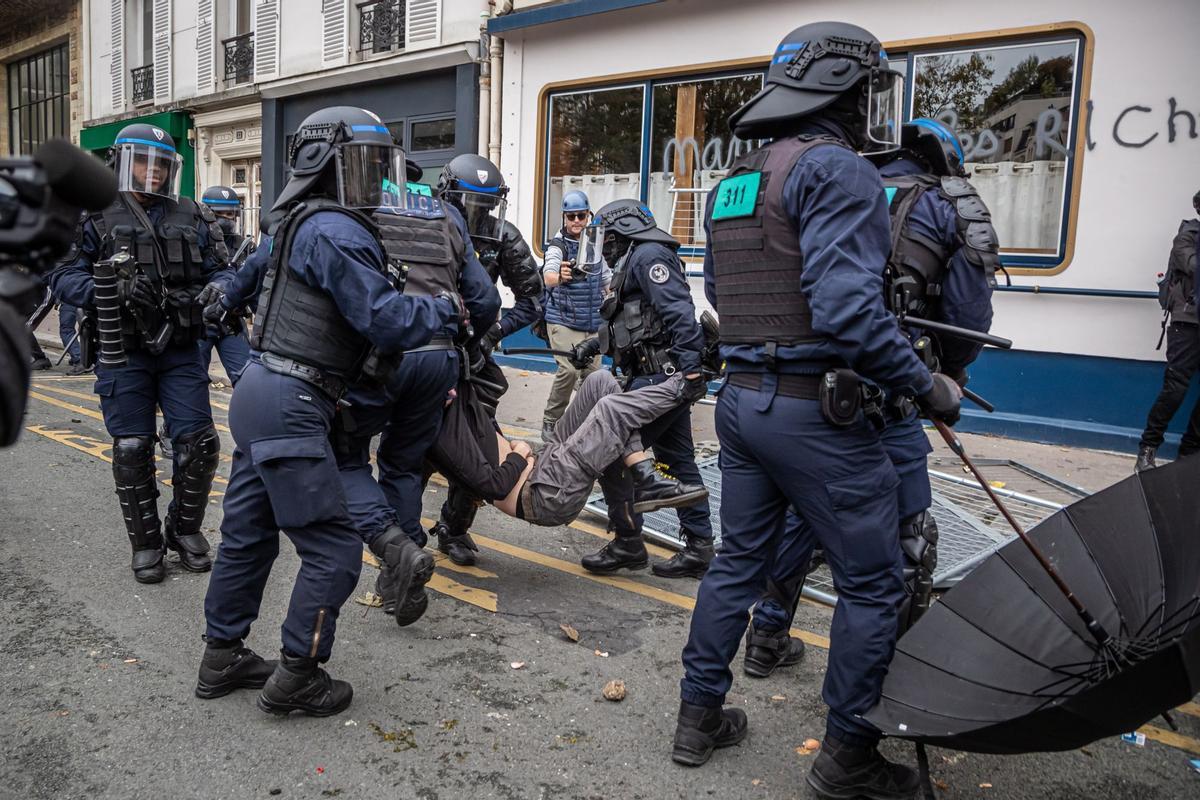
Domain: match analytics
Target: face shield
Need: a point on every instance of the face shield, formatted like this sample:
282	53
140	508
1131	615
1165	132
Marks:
589	258
885	101
371	176
483	209
147	168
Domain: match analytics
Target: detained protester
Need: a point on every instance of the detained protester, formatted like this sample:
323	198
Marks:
175	247
799	237
1177	295
573	297
600	427
649	328
327	316
476	189
942	266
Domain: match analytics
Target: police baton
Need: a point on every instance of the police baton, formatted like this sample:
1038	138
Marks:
910	321
535	351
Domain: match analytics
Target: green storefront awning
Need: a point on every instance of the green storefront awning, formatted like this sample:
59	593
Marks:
99	138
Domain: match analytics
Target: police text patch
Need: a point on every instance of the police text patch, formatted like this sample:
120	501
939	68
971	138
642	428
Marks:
658	273
737	196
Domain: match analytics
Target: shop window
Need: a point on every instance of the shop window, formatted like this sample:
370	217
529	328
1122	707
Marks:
433	134
1014	108
595	144
39	105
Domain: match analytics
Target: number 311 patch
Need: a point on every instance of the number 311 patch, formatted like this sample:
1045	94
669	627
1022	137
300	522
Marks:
737	196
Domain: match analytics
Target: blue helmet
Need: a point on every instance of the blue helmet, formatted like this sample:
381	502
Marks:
936	143
575	200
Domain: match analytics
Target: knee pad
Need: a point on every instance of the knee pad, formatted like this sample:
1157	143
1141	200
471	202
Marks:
197	453
918	543
133	459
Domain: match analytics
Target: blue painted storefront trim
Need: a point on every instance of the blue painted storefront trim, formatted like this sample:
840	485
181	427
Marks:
1056	398
559	12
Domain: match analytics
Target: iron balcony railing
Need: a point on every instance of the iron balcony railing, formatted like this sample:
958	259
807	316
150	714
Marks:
143	83
239	58
380	26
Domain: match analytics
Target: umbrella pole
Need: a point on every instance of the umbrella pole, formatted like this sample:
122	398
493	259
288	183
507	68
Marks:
1102	637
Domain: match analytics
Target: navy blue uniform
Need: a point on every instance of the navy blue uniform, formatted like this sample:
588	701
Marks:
284	472
778	451
68	316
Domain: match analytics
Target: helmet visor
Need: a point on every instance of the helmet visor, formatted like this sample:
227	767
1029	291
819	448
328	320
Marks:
484	211
148	168
371	176
885	101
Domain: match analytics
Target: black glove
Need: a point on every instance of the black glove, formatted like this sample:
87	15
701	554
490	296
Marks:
491	338
583	352
943	401
460	308
136	291
694	389
210	300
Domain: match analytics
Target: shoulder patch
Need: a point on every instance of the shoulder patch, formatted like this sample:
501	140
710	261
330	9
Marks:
659	273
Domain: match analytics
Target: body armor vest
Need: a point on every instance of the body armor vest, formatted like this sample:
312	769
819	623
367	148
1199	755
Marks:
302	322
755	248
425	251
633	332
179	278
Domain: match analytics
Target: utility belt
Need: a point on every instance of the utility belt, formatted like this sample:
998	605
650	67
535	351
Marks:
841	392
650	360
436	343
332	386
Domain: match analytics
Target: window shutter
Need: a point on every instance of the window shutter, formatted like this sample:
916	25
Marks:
423	23
162	51
333	50
205	47
266	39
117	60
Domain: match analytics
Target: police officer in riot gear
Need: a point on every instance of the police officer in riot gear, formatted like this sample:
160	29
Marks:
798	239
475	187
176	247
649	328
942	267
328	315
228	336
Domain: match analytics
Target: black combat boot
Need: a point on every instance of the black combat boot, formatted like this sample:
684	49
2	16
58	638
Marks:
844	771
623	552
1145	458
228	665
403	573
700	730
133	471
653	491
766	651
460	548
691	562
298	684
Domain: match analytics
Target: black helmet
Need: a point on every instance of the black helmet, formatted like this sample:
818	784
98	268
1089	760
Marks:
475	186
812	67
933	144
1196	202
146	161
630	221
351	148
221	198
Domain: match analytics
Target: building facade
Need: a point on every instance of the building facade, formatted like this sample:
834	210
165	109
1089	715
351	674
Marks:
1081	151
41	52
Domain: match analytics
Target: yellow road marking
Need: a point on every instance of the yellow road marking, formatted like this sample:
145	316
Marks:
85	411
444	562
1192	709
1171	738
442	584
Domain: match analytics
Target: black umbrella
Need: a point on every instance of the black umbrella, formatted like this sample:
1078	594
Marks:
1086	627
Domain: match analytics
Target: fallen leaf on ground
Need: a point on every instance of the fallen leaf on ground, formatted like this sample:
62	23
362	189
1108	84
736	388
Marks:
602	653
755	782
997	484
614	690
778	698
569	631
448	724
942	786
517	664
809	747
370	599
985	786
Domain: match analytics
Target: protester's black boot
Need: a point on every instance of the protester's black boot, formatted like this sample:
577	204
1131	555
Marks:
653	491
623	552
842	771
700	730
459	548
1145	458
404	570
766	651
133	471
690	562
298	684
228	665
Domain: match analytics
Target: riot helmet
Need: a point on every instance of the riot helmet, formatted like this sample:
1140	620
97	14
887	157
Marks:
226	207
622	223
824	65
346	153
1196	202
474	186
146	162
929	142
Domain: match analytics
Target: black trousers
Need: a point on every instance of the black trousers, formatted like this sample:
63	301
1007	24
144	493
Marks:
1183	359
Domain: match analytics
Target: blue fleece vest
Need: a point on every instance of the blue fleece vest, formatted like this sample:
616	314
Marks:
575	305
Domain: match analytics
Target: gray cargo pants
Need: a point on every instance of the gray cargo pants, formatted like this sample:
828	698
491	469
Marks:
601	425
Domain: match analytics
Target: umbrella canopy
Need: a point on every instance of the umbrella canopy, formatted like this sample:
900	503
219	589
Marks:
1004	663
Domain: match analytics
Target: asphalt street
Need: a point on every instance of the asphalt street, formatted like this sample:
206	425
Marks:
486	696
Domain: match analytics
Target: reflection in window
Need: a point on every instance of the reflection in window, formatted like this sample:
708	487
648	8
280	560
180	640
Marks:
1012	108
437	134
691	148
595	144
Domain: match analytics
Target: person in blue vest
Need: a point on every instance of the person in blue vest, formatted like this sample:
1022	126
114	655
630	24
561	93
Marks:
176	248
328	316
942	267
573	297
798	239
